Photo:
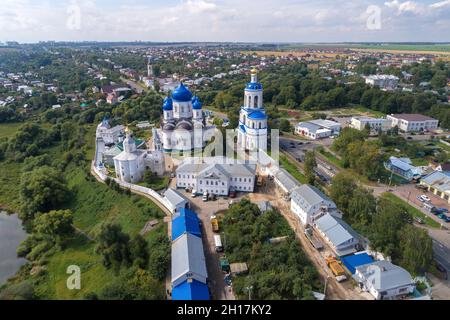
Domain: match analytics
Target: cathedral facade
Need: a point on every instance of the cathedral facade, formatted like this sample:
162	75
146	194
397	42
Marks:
183	126
253	128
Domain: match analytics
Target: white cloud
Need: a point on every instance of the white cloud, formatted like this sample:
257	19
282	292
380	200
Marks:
225	20
441	4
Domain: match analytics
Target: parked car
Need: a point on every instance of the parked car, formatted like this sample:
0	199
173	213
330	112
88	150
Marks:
420	199
443	210
428	206
425	198
443	217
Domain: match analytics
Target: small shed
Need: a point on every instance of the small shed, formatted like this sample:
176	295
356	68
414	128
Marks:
238	269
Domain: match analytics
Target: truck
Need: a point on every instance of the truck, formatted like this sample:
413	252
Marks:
225	265
218	243
336	268
215	224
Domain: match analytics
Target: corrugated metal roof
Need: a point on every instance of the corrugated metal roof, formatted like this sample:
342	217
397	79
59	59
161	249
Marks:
175	198
383	275
287	181
439	181
190	291
309	196
336	230
185	224
188	259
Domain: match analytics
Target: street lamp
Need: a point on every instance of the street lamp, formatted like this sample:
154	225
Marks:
249	289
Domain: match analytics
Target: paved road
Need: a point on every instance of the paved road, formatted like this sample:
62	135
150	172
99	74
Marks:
134	85
441	254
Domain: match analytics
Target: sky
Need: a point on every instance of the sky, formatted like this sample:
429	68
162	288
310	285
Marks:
225	20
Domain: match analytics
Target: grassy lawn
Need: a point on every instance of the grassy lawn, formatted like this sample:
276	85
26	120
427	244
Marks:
290	167
331	158
92	204
9	129
418	162
157	184
9	186
443	146
412	210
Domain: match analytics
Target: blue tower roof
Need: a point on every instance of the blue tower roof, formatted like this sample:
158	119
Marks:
254	86
257	115
168	104
182	94
196	103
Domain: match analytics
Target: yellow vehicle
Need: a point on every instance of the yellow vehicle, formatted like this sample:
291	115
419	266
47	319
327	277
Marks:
335	267
215	224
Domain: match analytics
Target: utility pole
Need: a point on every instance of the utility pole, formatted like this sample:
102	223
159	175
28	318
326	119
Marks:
325	289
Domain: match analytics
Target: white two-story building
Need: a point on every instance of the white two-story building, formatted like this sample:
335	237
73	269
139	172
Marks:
309	203
413	122
216	178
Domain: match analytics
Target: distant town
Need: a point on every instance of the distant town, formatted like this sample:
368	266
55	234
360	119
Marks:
226	171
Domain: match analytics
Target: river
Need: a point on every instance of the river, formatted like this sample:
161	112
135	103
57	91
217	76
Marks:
11	235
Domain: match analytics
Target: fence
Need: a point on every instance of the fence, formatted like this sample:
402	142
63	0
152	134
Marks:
132	187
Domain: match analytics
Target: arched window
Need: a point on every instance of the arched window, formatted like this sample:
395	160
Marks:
249	101
260	125
256	102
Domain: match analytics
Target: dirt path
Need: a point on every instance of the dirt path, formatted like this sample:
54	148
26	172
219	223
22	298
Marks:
335	290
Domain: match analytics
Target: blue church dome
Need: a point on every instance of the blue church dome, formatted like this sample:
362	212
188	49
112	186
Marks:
182	94
168	104
196	103
257	115
254	86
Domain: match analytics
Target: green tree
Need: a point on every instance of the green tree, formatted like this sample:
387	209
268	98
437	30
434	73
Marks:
386	224
113	245
139	251
341	190
310	166
416	249
41	190
54	226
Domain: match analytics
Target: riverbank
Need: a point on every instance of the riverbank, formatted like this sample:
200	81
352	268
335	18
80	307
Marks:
11	235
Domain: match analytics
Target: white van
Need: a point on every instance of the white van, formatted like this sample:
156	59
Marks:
194	193
218	243
205	197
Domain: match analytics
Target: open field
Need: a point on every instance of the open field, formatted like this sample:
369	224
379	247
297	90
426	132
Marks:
9	129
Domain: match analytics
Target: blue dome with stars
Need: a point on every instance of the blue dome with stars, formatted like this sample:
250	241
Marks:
168	104
182	94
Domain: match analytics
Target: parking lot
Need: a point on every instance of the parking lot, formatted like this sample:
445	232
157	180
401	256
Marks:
205	210
410	194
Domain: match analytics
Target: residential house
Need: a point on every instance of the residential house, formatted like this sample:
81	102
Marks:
309	203
384	280
338	234
403	167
